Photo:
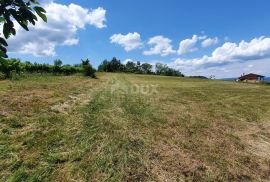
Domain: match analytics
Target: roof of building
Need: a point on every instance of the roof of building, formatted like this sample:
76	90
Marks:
250	75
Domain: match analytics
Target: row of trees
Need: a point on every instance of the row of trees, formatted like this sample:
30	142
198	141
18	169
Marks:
115	65
9	67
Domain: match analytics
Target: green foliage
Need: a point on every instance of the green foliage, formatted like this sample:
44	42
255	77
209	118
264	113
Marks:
7	66
58	62
200	77
2	76
12	68
163	69
69	70
146	68
57	66
21	11
131	67
111	66
88	70
115	65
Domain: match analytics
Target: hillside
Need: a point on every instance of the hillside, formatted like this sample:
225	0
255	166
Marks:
126	127
267	79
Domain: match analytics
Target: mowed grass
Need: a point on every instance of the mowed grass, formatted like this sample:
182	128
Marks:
125	127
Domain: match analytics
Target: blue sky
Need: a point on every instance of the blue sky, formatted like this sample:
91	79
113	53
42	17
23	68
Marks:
197	37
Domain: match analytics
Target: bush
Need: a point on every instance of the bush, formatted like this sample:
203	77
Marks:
12	68
14	75
9	67
88	70
68	70
2	76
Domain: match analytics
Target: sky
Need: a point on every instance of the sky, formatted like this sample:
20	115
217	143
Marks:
224	38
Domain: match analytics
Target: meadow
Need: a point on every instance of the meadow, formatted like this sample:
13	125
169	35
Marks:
128	127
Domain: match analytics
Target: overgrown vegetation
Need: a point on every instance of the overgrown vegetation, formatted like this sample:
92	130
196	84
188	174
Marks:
10	68
115	65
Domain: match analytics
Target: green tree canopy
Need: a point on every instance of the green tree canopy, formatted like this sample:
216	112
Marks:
22	11
57	62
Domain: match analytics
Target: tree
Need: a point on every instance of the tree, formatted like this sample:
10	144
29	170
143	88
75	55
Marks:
111	66
146	68
21	11
103	66
160	69
58	62
88	69
163	69
130	67
57	66
115	65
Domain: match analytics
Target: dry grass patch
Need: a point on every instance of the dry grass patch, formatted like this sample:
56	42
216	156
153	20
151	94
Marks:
189	130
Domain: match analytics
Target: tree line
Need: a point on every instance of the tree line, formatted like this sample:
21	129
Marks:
115	65
10	68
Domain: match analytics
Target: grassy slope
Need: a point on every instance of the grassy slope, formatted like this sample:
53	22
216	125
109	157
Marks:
72	128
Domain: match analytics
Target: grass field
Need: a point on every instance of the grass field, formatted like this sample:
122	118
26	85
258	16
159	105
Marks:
125	127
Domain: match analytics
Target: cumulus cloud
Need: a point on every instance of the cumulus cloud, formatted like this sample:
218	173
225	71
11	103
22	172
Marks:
128	60
209	42
61	29
257	48
189	45
129	41
161	46
97	17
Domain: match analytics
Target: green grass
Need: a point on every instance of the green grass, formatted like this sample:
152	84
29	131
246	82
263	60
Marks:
55	128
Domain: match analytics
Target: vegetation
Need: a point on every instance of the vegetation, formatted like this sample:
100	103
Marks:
111	66
21	11
115	65
88	70
7	67
14	67
11	67
201	77
165	70
69	128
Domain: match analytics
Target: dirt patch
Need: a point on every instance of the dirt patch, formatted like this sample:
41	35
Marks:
72	100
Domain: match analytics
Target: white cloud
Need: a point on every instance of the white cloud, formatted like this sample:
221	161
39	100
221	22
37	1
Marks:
162	46
97	17
256	49
129	42
61	29
232	70
189	45
209	42
128	60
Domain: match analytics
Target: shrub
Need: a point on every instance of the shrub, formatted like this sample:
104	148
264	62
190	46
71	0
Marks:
2	76
88	70
9	67
68	70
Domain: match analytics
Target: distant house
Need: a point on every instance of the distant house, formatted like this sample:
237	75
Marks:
251	78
